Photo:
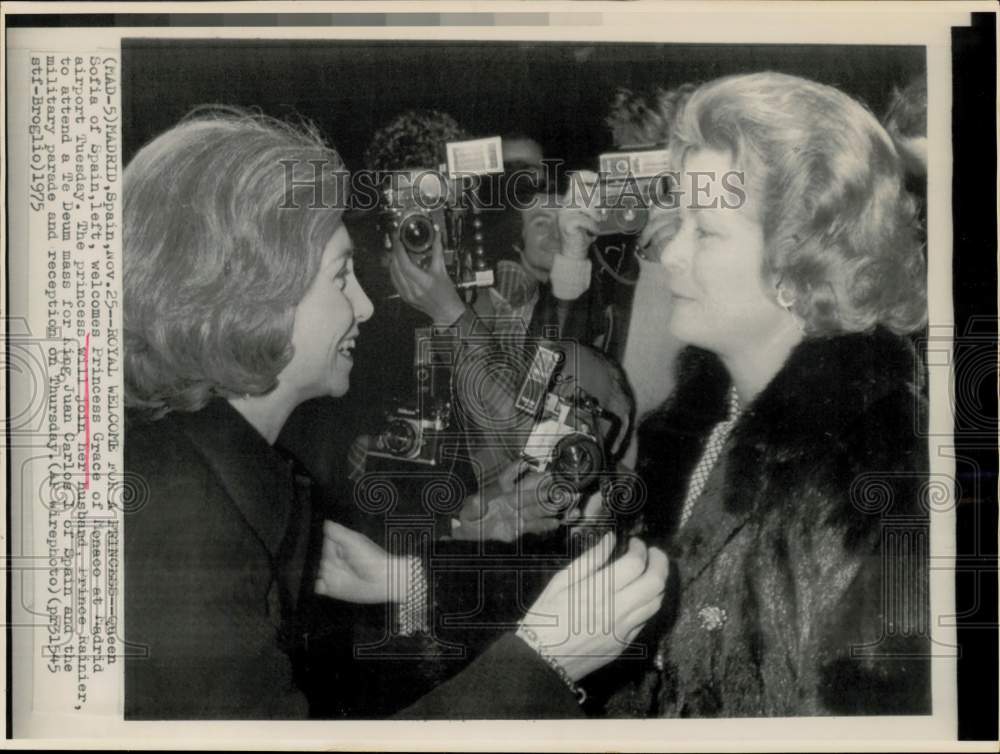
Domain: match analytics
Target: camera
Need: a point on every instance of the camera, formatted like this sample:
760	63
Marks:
413	431
421	207
411	435
629	182
570	428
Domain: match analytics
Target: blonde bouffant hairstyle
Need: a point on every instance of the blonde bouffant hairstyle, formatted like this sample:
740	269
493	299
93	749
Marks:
841	232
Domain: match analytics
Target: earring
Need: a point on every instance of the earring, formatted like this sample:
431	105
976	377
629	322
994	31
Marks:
785	299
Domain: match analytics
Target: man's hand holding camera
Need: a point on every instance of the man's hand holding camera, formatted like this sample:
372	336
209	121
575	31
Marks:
578	219
579	215
520	502
429	290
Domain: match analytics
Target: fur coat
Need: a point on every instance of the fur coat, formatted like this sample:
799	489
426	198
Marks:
800	582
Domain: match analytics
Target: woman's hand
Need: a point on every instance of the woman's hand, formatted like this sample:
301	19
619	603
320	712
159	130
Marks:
592	610
520	502
430	291
354	569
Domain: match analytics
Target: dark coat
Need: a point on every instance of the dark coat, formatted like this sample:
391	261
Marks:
220	555
209	587
810	528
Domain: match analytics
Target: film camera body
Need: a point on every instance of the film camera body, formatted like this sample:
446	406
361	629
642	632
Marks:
570	432
414	432
629	182
420	207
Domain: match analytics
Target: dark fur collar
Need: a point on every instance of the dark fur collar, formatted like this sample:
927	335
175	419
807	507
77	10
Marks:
824	387
802	416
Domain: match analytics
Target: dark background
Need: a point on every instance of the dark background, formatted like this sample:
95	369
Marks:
556	92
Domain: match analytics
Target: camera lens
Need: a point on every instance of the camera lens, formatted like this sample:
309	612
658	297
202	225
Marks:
416	233
400	438
578	460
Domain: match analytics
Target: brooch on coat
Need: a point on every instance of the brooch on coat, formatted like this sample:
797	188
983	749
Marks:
712	617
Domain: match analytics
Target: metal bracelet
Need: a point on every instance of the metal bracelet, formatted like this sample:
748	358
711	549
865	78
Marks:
413	609
531	639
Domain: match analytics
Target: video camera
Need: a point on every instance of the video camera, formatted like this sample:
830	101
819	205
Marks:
628	183
571	432
420	207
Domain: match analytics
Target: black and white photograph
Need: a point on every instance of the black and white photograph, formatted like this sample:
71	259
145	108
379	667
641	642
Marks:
300	527
521	378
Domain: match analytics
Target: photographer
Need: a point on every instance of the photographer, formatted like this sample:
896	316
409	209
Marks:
649	349
496	339
539	295
552	268
544	278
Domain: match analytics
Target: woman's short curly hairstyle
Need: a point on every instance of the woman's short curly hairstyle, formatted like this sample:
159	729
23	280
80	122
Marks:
634	120
413	139
906	116
225	221
841	232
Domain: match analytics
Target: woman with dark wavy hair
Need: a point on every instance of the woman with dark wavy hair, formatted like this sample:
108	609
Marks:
785	471
241	303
